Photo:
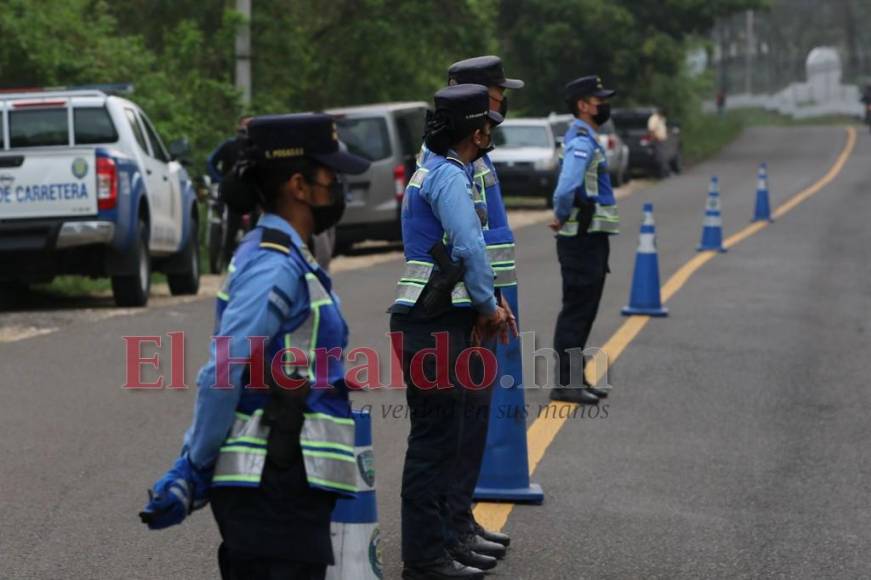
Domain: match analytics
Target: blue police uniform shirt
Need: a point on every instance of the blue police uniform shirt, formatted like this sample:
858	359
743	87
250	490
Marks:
577	155
449	193
264	292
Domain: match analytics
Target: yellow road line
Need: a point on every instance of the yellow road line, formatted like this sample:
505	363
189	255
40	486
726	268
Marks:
545	428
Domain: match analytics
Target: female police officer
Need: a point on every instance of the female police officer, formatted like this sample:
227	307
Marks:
446	290
271	444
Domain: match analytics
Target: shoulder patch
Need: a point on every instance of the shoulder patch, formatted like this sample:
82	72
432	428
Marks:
275	240
583	131
581	153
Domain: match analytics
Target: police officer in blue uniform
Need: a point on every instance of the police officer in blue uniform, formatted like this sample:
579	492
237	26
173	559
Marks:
585	215
470	538
271	445
447	289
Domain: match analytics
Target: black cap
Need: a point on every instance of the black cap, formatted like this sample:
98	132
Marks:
465	105
482	70
282	138
589	86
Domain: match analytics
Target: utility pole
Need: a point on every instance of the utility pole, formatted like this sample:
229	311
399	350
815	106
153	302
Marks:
748	56
243	51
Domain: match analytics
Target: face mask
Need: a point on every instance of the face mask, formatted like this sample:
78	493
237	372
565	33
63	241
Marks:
484	150
603	113
503	107
326	216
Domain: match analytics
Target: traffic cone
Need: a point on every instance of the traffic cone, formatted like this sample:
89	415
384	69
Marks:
644	297
354	527
763	208
712	231
504	472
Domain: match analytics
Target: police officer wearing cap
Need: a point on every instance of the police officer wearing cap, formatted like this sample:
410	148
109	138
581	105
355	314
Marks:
271	444
585	215
446	290
470	538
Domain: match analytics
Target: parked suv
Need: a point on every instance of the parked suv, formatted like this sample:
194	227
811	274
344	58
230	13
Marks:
389	135
616	151
646	154
88	188
526	157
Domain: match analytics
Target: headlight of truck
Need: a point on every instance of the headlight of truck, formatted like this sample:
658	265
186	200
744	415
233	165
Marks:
544	164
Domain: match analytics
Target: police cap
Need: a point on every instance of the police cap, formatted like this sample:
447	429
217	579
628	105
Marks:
465	105
589	86
482	70
277	139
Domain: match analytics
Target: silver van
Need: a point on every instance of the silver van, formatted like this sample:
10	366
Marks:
389	135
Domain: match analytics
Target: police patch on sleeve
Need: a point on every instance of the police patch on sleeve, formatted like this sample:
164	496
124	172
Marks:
580	153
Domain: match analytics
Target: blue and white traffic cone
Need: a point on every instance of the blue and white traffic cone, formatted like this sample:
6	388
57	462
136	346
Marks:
712	230
644	297
354	528
763	208
504	472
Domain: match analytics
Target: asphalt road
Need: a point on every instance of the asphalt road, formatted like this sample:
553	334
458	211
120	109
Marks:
735	443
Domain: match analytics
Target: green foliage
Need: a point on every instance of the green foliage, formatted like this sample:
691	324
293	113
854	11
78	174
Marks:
311	55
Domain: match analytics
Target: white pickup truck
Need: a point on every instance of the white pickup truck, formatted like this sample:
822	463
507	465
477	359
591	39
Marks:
88	188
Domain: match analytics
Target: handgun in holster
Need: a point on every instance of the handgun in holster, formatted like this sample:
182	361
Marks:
435	299
283	415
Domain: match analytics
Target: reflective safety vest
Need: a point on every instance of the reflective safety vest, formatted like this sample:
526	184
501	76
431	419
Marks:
595	194
497	233
327	435
421	230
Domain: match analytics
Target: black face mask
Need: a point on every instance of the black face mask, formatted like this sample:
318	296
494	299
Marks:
326	216
603	113
503	107
483	151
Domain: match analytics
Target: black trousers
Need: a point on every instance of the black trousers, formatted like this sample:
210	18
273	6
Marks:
475	408
279	530
434	441
584	264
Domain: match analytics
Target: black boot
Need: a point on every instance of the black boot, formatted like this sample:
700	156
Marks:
477	544
497	537
574	395
462	554
444	569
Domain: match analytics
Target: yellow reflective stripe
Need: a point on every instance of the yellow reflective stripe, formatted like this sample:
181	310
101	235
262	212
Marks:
319	303
328	455
231	268
242	449
247	478
414	281
497	246
223	296
328	445
246	439
328	483
418	262
325	417
274	247
245	417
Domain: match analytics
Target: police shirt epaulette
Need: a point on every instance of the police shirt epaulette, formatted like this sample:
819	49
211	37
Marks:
582	131
276	240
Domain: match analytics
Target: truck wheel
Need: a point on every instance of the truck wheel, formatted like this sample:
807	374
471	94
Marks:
133	290
188	281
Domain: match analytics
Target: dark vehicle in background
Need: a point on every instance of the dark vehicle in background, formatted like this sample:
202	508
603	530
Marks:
616	151
646	154
389	135
526	157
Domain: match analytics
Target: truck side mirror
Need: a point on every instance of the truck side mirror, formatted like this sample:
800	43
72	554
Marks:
180	150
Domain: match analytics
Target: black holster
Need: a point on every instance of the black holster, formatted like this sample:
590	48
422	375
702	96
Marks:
435	299
283	415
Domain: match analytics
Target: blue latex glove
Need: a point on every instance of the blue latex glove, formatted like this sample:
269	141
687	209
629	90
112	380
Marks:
182	490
